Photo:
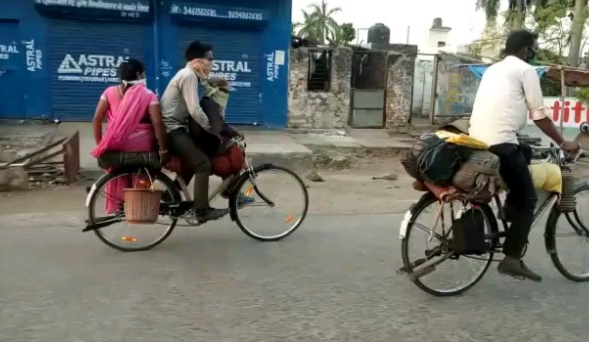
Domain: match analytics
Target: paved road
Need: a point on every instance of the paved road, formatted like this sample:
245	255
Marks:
334	280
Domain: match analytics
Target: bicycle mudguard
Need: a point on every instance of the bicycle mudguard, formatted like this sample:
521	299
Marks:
408	217
580	185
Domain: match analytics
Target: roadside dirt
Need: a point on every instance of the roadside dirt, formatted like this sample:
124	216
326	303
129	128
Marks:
346	192
350	191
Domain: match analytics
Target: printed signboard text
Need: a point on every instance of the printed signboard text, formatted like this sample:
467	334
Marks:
7	50
206	12
273	62
230	70
575	112
90	68
34	56
99	4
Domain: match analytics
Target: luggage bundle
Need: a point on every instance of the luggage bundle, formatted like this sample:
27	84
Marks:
450	160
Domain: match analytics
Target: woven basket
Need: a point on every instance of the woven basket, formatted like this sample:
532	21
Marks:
142	205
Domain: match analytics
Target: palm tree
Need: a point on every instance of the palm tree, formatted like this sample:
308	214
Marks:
319	23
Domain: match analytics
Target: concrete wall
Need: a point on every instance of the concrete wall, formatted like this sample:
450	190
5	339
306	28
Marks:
422	87
315	109
399	91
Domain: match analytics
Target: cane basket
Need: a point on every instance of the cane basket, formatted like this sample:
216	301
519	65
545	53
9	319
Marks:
142	206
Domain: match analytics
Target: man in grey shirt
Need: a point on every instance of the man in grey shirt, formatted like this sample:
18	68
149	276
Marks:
180	104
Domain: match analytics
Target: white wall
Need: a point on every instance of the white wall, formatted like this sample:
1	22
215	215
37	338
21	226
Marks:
435	36
422	86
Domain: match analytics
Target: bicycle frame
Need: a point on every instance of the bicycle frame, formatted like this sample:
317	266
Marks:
248	168
555	157
177	209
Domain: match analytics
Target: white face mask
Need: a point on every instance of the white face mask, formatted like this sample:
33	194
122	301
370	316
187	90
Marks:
142	81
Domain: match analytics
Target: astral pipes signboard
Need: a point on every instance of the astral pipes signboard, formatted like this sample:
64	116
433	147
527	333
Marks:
575	112
232	71
90	68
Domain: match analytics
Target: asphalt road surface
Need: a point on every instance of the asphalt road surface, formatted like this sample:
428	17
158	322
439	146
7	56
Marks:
333	280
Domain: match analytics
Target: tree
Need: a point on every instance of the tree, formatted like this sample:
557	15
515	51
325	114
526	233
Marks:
516	11
580	15
552	23
319	23
342	35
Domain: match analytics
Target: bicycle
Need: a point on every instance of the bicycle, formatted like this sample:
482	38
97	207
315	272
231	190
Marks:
561	206
179	201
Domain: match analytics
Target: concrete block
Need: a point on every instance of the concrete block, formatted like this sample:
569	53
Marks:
14	179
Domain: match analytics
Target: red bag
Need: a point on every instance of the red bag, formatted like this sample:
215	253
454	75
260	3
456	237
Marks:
228	164
222	166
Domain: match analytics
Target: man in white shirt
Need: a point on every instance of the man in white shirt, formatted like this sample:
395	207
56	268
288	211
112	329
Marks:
509	90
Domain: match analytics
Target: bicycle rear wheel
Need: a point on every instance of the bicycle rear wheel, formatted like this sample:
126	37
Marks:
449	274
279	207
121	235
568	234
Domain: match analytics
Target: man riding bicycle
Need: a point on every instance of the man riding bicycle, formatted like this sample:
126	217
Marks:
181	108
509	90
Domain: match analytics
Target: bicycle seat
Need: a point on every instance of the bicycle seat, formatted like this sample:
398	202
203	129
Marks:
118	159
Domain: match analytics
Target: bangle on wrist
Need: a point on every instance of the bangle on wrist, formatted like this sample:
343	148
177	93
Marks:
163	151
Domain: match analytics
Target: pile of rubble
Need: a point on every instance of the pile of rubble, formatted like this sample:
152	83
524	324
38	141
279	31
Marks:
24	165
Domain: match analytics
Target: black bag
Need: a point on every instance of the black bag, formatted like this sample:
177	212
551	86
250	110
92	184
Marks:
441	160
411	158
116	159
468	233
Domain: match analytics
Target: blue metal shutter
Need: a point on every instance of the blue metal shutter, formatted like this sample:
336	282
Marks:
12	55
237	59
84	60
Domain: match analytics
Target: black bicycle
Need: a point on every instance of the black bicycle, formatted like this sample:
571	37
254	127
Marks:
264	186
441	251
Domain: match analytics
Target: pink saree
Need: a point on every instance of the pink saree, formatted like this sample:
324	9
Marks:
125	132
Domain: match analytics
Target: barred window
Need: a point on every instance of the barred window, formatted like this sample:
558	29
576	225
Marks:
319	74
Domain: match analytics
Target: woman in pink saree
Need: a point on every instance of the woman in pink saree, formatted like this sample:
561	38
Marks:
134	124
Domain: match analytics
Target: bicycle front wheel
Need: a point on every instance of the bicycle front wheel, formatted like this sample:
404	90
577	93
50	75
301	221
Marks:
106	201
270	204
567	238
449	274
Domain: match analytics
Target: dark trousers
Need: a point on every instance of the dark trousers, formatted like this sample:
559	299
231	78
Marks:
521	197
183	145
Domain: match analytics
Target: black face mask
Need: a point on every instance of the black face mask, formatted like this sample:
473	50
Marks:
531	55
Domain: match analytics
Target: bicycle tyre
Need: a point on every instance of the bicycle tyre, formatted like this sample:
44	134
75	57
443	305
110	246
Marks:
233	206
425	201
156	175
550	239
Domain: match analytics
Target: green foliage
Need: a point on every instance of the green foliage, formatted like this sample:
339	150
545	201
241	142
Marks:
342	34
583	95
319	24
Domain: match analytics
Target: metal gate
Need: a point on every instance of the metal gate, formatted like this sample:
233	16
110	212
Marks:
369	79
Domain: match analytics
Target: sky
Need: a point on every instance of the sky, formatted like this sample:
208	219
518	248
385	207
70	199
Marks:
467	24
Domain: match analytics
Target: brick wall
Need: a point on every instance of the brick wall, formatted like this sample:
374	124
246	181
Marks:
319	109
399	92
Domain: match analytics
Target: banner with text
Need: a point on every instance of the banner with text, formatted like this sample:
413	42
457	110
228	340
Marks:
575	112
